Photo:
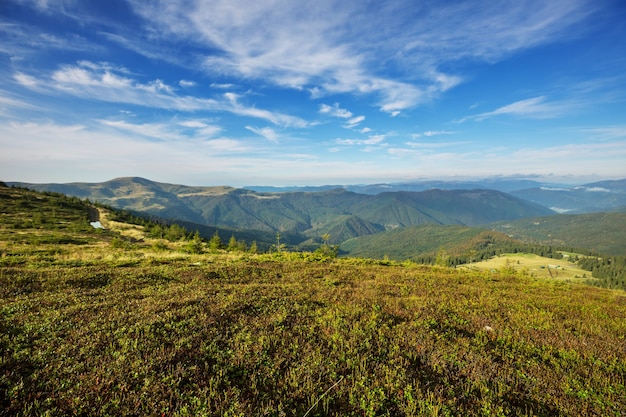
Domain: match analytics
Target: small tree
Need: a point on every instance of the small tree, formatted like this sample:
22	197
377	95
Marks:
215	243
195	245
279	246
232	244
442	257
327	250
253	247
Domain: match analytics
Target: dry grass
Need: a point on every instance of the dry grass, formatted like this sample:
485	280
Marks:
534	265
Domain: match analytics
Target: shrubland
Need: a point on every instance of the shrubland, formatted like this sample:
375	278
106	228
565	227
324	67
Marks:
116	322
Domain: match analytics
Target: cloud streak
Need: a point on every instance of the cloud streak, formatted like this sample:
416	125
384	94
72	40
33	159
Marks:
107	83
534	108
336	47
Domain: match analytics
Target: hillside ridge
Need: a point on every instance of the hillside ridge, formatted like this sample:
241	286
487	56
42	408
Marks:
310	213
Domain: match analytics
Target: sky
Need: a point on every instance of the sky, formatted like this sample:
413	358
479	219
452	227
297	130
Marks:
291	92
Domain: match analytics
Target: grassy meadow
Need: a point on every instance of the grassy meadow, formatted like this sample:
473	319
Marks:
534	265
110	322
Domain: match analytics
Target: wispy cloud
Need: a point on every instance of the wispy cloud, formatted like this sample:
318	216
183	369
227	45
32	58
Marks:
330	47
267	132
275	117
605	132
433	145
335	111
430	133
105	82
172	131
20	41
222	86
535	108
8	101
355	121
372	140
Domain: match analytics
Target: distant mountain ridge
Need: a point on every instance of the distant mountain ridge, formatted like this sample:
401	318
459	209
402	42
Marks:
341	213
500	184
593	197
587	198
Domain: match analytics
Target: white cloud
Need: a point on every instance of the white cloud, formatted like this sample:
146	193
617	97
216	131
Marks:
166	131
186	83
430	133
50	152
274	117
355	121
193	123
606	132
224	145
222	86
7	102
372	140
335	47
25	80
335	111
433	145
267	132
153	130
534	108
102	81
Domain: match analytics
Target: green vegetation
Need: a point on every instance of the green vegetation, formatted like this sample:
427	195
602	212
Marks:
304	215
610	270
536	266
122	323
598	232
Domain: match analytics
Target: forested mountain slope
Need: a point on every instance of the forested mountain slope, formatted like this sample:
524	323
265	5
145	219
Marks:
600	232
337	211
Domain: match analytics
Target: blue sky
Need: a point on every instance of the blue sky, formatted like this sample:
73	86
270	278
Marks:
271	92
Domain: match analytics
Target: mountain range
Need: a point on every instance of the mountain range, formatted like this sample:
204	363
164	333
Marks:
584	198
339	212
399	221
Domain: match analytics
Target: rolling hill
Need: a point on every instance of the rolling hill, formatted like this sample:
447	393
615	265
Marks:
416	242
600	232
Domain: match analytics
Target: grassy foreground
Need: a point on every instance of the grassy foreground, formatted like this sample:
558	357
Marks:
205	335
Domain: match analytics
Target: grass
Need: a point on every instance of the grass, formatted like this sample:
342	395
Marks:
262	337
105	328
534	265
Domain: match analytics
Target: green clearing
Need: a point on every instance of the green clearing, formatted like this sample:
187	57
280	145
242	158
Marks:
534	265
111	322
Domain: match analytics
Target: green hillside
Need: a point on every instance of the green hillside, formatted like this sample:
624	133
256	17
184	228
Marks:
302	212
119	322
418	242
32	218
601	232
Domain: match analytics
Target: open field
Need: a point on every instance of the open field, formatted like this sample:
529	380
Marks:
269	335
533	265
